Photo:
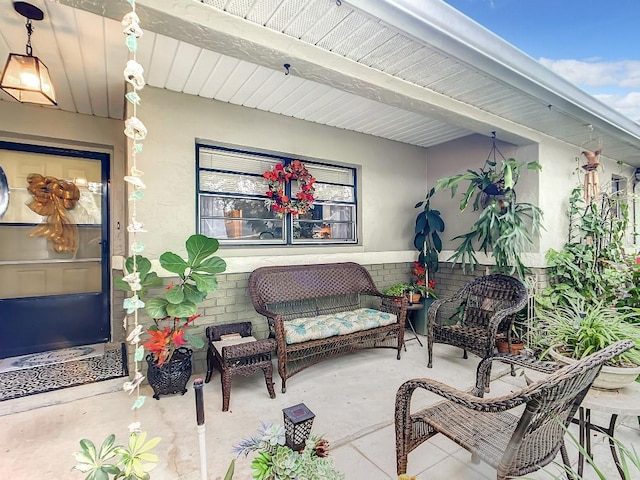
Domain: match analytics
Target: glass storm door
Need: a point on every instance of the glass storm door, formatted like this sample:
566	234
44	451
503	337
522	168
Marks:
54	263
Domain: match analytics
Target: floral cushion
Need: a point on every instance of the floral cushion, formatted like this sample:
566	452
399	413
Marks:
303	329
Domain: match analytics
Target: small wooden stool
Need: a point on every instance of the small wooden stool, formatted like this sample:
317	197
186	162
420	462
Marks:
242	355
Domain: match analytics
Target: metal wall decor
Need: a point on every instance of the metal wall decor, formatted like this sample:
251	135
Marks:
4	193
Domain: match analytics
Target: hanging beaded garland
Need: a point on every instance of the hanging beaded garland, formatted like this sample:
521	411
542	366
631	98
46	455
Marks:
136	132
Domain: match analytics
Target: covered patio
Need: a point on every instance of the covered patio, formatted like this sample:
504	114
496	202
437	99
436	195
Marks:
353	399
396	93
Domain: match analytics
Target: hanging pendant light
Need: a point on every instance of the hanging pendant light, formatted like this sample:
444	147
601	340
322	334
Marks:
25	77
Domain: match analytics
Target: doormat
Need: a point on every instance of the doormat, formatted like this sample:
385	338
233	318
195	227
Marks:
54	376
53	356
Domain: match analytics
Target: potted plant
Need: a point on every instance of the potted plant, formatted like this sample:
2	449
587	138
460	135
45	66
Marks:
133	462
174	311
504	227
429	225
578	328
491	179
398	290
515	347
414	292
426	289
592	261
277	461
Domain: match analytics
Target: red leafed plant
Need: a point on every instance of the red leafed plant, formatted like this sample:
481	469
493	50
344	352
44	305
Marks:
426	287
162	342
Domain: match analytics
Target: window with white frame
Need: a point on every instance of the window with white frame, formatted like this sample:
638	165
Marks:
232	193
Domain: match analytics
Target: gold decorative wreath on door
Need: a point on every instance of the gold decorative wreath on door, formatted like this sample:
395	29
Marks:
53	198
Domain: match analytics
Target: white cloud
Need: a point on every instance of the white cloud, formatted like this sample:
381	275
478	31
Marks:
628	104
595	73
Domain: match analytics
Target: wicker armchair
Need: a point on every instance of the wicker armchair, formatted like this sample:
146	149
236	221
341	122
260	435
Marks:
514	443
489	304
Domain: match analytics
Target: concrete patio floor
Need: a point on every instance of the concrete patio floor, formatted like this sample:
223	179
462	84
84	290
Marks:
352	396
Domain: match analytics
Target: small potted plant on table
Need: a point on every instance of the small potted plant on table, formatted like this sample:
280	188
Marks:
426	287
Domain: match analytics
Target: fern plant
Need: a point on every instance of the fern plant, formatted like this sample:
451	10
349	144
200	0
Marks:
505	228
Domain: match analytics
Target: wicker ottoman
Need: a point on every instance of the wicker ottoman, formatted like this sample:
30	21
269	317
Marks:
232	351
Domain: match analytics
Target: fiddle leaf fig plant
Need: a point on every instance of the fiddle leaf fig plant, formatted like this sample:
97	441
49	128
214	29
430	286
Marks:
178	304
197	276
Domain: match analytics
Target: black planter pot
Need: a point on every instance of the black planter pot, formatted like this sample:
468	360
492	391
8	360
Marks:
172	376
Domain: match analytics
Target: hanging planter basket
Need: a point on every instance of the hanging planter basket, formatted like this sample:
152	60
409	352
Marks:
502	199
497	189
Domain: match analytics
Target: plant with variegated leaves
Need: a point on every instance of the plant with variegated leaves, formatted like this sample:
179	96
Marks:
133	462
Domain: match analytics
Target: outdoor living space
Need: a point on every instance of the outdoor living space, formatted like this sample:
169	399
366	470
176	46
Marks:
396	144
352	397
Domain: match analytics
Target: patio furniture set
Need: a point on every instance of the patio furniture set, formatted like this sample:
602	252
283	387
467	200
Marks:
316	312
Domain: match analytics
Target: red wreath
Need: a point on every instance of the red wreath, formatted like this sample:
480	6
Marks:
278	201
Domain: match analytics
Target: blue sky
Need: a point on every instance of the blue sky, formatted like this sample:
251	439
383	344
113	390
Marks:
594	44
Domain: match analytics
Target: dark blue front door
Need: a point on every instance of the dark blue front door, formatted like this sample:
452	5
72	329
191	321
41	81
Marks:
54	255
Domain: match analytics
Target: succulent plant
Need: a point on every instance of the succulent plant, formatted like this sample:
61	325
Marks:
286	463
261	466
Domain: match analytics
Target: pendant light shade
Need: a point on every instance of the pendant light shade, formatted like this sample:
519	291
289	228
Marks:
27	80
25	77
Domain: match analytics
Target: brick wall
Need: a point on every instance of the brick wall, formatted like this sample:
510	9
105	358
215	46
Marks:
231	301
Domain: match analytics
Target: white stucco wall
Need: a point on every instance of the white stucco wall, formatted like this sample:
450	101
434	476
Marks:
560	174
392	177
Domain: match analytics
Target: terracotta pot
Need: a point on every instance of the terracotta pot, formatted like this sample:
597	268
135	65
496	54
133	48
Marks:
397	302
516	345
413	298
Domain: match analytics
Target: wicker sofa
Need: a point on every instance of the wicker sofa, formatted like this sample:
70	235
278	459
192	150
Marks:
316	312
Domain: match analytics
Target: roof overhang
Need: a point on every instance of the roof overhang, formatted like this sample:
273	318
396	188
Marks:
413	71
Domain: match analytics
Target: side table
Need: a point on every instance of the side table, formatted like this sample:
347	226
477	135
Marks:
243	355
411	308
623	402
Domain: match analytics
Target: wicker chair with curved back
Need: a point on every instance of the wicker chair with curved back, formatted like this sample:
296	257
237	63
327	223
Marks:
488	306
513	442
